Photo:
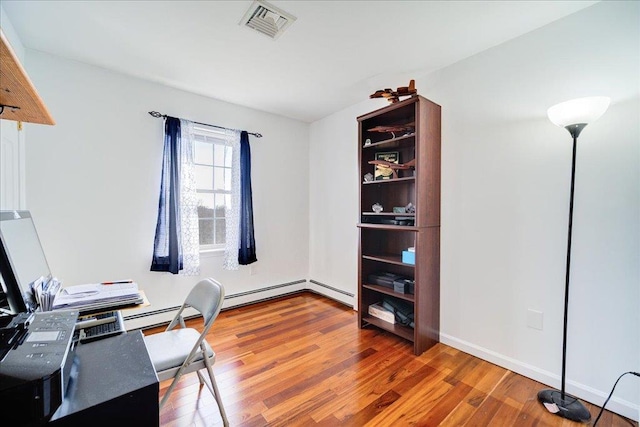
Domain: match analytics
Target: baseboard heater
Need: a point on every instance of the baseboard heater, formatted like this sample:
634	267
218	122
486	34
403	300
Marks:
226	298
340	291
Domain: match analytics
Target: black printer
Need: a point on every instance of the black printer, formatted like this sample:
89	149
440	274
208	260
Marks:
36	356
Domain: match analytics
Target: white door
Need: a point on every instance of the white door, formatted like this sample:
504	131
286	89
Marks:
11	166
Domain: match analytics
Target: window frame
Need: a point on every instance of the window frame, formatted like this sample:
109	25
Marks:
213	136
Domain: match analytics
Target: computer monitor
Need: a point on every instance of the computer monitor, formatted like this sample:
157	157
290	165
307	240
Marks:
22	260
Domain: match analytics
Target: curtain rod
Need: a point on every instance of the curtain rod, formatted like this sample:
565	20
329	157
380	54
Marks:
164	116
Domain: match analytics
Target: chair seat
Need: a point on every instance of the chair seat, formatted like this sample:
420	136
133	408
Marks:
169	349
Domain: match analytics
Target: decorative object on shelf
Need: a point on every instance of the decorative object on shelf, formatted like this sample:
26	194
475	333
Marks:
409	257
399	209
382	162
410	208
407	128
377	208
394	96
394	166
368	177
367	142
573	115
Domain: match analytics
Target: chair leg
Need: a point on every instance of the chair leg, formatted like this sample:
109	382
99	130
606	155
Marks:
216	392
200	378
173	384
166	395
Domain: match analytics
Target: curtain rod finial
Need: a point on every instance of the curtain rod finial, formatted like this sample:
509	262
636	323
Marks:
156	114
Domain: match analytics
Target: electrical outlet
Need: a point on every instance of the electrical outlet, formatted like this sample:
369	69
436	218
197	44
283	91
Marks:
534	319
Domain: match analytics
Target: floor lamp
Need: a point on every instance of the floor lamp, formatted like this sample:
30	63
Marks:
572	115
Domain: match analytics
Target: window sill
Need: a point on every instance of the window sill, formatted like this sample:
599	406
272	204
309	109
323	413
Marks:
211	253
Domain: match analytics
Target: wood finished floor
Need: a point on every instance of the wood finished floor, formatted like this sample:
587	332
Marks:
302	361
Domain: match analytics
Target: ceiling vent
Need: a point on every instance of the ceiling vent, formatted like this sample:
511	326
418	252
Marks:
267	19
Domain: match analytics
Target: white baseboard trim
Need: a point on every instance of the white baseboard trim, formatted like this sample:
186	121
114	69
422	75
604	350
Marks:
597	397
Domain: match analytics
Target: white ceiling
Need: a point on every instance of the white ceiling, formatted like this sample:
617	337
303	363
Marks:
333	56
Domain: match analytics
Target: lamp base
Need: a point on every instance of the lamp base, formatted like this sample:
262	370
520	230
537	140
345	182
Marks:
569	407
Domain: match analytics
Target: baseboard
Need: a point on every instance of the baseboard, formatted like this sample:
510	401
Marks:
153	318
261	290
589	394
313	291
335	294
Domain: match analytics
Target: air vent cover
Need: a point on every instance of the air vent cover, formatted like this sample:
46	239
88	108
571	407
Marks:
267	19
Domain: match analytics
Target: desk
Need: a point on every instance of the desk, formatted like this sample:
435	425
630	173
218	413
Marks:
115	384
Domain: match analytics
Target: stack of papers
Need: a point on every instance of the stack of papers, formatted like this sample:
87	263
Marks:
98	295
45	291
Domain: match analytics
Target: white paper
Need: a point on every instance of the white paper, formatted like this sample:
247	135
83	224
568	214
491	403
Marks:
81	289
96	293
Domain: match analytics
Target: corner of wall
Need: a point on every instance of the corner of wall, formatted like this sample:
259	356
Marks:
11	34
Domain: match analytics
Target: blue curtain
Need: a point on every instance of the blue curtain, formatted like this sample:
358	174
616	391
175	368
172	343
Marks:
247	249
167	248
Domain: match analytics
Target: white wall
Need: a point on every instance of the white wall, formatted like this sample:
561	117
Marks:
93	182
333	204
505	194
11	34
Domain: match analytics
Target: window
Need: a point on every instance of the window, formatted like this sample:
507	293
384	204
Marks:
212	159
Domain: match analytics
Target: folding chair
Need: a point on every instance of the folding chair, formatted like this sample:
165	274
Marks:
175	352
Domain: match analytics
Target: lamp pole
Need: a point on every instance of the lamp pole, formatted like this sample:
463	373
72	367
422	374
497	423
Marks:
573	116
574	130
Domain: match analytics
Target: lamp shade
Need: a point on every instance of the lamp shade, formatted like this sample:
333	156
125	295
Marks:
578	111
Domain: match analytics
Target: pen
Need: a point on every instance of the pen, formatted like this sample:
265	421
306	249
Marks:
116	282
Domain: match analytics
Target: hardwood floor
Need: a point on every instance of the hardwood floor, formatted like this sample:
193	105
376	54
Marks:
302	361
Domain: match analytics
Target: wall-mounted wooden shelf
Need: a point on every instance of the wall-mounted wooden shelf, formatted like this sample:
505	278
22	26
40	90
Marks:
17	94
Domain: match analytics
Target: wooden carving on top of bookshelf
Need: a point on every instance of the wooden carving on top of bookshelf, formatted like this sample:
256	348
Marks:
393	96
19	99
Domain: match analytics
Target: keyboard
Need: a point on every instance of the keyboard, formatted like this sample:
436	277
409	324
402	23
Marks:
97	326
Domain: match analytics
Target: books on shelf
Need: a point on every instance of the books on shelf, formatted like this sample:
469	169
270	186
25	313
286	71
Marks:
379	312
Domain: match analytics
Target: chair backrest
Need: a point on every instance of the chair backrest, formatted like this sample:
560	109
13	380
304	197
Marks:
206	297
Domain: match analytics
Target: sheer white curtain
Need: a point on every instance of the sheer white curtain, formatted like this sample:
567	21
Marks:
188	203
232	214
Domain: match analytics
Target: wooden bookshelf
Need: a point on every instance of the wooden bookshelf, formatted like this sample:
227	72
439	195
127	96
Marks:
381	244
